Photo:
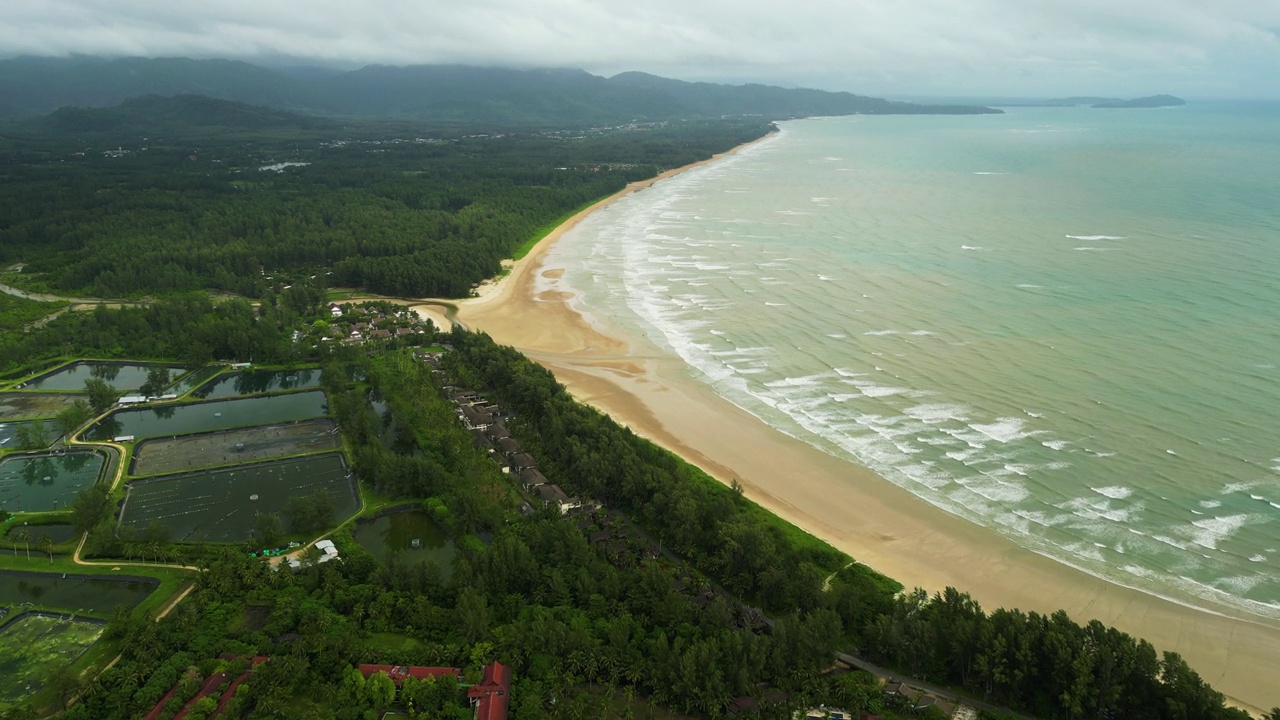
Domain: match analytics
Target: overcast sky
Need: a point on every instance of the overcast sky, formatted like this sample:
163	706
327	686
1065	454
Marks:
1196	48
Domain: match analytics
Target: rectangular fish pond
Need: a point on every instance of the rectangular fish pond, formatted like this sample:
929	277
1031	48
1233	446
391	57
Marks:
45	481
36	646
80	594
121	376
26	405
411	536
194	379
57	532
253	382
205	417
242	445
220	505
10	432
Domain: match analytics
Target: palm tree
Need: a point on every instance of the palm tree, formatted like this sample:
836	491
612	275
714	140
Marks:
24	534
46	544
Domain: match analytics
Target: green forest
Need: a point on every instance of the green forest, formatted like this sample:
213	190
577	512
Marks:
416	215
593	629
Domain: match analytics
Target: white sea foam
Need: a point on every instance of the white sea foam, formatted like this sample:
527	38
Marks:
970	247
1115	492
1258	558
1210	504
1092	508
1029	286
997	490
988	172
1091	249
1095	238
1056	444
878	391
932	413
1210	531
880	332
1003	430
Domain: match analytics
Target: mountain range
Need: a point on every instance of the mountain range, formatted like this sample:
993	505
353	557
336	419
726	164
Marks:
431	93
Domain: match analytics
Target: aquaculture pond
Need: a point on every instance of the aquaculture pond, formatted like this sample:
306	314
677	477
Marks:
82	594
252	382
194	379
57	532
410	535
36	646
121	376
10	431
32	483
28	405
220	505
204	417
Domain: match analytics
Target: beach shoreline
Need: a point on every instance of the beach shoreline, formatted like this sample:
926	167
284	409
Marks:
877	523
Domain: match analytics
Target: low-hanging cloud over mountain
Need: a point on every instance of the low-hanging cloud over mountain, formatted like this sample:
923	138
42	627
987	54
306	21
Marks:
1012	47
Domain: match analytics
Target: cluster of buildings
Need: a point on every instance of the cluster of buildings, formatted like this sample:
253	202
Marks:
487	423
357	323
491	697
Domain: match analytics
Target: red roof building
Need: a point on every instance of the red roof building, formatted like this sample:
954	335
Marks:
398	673
491	696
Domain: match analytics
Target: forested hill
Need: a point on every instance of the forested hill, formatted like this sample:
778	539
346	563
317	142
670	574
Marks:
185	115
432	93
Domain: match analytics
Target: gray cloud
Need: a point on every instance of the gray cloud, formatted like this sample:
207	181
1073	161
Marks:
1033	47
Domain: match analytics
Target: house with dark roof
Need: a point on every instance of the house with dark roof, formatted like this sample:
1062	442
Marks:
509	446
553	496
523	461
532	478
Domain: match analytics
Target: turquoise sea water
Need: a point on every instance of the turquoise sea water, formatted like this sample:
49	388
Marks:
1060	323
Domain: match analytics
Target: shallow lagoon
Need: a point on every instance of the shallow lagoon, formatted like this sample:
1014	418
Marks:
33	483
204	417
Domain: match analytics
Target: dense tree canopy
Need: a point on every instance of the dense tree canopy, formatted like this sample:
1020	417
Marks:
412	216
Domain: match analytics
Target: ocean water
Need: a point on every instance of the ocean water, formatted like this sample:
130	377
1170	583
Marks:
1063	324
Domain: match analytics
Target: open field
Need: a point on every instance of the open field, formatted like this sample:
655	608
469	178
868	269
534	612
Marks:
220	505
186	452
20	405
35	646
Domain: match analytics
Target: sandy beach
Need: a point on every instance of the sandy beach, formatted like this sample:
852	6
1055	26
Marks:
872	520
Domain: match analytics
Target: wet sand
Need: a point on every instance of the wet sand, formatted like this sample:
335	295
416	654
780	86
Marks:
871	519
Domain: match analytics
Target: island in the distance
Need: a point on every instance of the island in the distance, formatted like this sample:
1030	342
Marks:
1151	101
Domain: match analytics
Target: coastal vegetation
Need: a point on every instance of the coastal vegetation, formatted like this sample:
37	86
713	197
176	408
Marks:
664	594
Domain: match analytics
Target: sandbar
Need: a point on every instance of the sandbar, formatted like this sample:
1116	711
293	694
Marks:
874	521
